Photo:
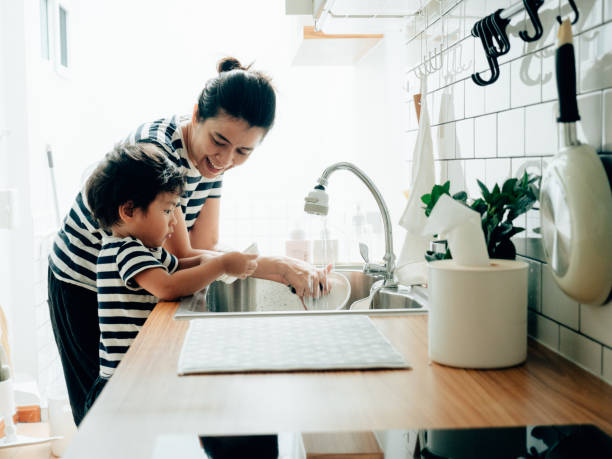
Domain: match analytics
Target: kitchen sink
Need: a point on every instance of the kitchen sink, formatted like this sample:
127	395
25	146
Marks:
263	297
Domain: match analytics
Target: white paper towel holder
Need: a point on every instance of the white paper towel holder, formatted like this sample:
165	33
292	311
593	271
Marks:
478	315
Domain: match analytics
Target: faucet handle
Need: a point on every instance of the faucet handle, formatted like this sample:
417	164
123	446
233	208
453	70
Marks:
363	249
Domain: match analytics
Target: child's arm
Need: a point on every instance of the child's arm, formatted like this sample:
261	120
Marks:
190	262
165	286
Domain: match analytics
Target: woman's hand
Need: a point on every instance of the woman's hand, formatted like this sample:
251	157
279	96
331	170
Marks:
238	264
306	279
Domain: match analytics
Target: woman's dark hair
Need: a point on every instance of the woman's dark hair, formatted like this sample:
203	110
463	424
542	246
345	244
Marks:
239	92
136	173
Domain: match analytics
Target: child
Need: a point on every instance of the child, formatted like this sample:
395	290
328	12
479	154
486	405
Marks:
133	194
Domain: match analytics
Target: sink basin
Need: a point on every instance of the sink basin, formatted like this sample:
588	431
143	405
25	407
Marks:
399	298
263	297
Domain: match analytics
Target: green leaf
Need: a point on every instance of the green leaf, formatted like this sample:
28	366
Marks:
479	206
426	198
509	185
484	190
460	196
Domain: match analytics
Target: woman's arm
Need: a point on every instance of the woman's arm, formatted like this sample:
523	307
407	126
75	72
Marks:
180	245
205	231
305	278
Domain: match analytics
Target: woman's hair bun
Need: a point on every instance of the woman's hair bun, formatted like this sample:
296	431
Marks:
229	63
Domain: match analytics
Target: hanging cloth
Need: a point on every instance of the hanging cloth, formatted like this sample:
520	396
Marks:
412	267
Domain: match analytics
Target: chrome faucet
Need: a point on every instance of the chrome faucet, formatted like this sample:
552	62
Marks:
317	203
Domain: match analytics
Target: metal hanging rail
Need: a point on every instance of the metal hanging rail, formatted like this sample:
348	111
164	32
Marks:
325	12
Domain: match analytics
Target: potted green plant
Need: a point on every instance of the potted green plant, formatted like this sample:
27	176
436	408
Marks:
498	208
478	312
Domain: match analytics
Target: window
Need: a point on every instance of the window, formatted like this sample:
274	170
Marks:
44	29
63	36
55	34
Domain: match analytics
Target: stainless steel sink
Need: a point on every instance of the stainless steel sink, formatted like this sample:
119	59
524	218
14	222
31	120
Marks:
399	298
262	297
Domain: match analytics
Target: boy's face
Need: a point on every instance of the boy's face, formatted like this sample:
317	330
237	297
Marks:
156	225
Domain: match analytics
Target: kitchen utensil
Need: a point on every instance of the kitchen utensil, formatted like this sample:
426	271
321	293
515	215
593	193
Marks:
576	199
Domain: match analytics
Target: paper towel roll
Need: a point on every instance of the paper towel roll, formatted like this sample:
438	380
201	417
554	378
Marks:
478	315
461	227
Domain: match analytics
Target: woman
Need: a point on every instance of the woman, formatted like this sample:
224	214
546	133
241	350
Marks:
232	116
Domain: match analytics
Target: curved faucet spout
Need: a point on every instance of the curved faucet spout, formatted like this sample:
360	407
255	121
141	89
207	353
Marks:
389	258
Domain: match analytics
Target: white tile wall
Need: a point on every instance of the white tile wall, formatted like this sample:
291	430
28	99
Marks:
497	96
474	9
596	321
595	59
511	133
529	165
590	126
511	126
544	330
556	304
450	103
474	99
441	170
549	82
580	349
541	129
456	175
474	170
526	80
485	136
464	131
497	171
590	13
454	25
444	141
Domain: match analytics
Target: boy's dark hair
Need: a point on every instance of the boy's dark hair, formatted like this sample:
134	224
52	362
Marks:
241	93
136	173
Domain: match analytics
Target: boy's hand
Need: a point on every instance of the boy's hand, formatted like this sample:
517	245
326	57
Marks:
238	264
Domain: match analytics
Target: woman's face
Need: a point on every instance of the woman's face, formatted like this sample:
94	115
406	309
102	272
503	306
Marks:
220	143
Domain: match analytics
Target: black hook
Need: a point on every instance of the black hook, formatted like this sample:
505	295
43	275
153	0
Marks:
532	7
482	31
576	13
497	27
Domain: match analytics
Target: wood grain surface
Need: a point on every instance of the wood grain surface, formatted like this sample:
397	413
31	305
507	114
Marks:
145	398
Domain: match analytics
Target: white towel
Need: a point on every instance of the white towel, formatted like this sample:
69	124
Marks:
411	263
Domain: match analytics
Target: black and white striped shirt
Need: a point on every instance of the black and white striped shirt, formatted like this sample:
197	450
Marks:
123	306
77	243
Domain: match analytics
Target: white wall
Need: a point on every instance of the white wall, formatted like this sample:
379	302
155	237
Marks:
15	163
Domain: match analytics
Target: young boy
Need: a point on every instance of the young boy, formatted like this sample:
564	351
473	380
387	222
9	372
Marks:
133	194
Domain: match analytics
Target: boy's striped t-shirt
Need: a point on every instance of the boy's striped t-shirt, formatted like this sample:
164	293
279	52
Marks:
123	306
78	242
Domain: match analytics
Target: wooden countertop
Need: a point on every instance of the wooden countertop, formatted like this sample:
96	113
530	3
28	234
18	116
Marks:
146	398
